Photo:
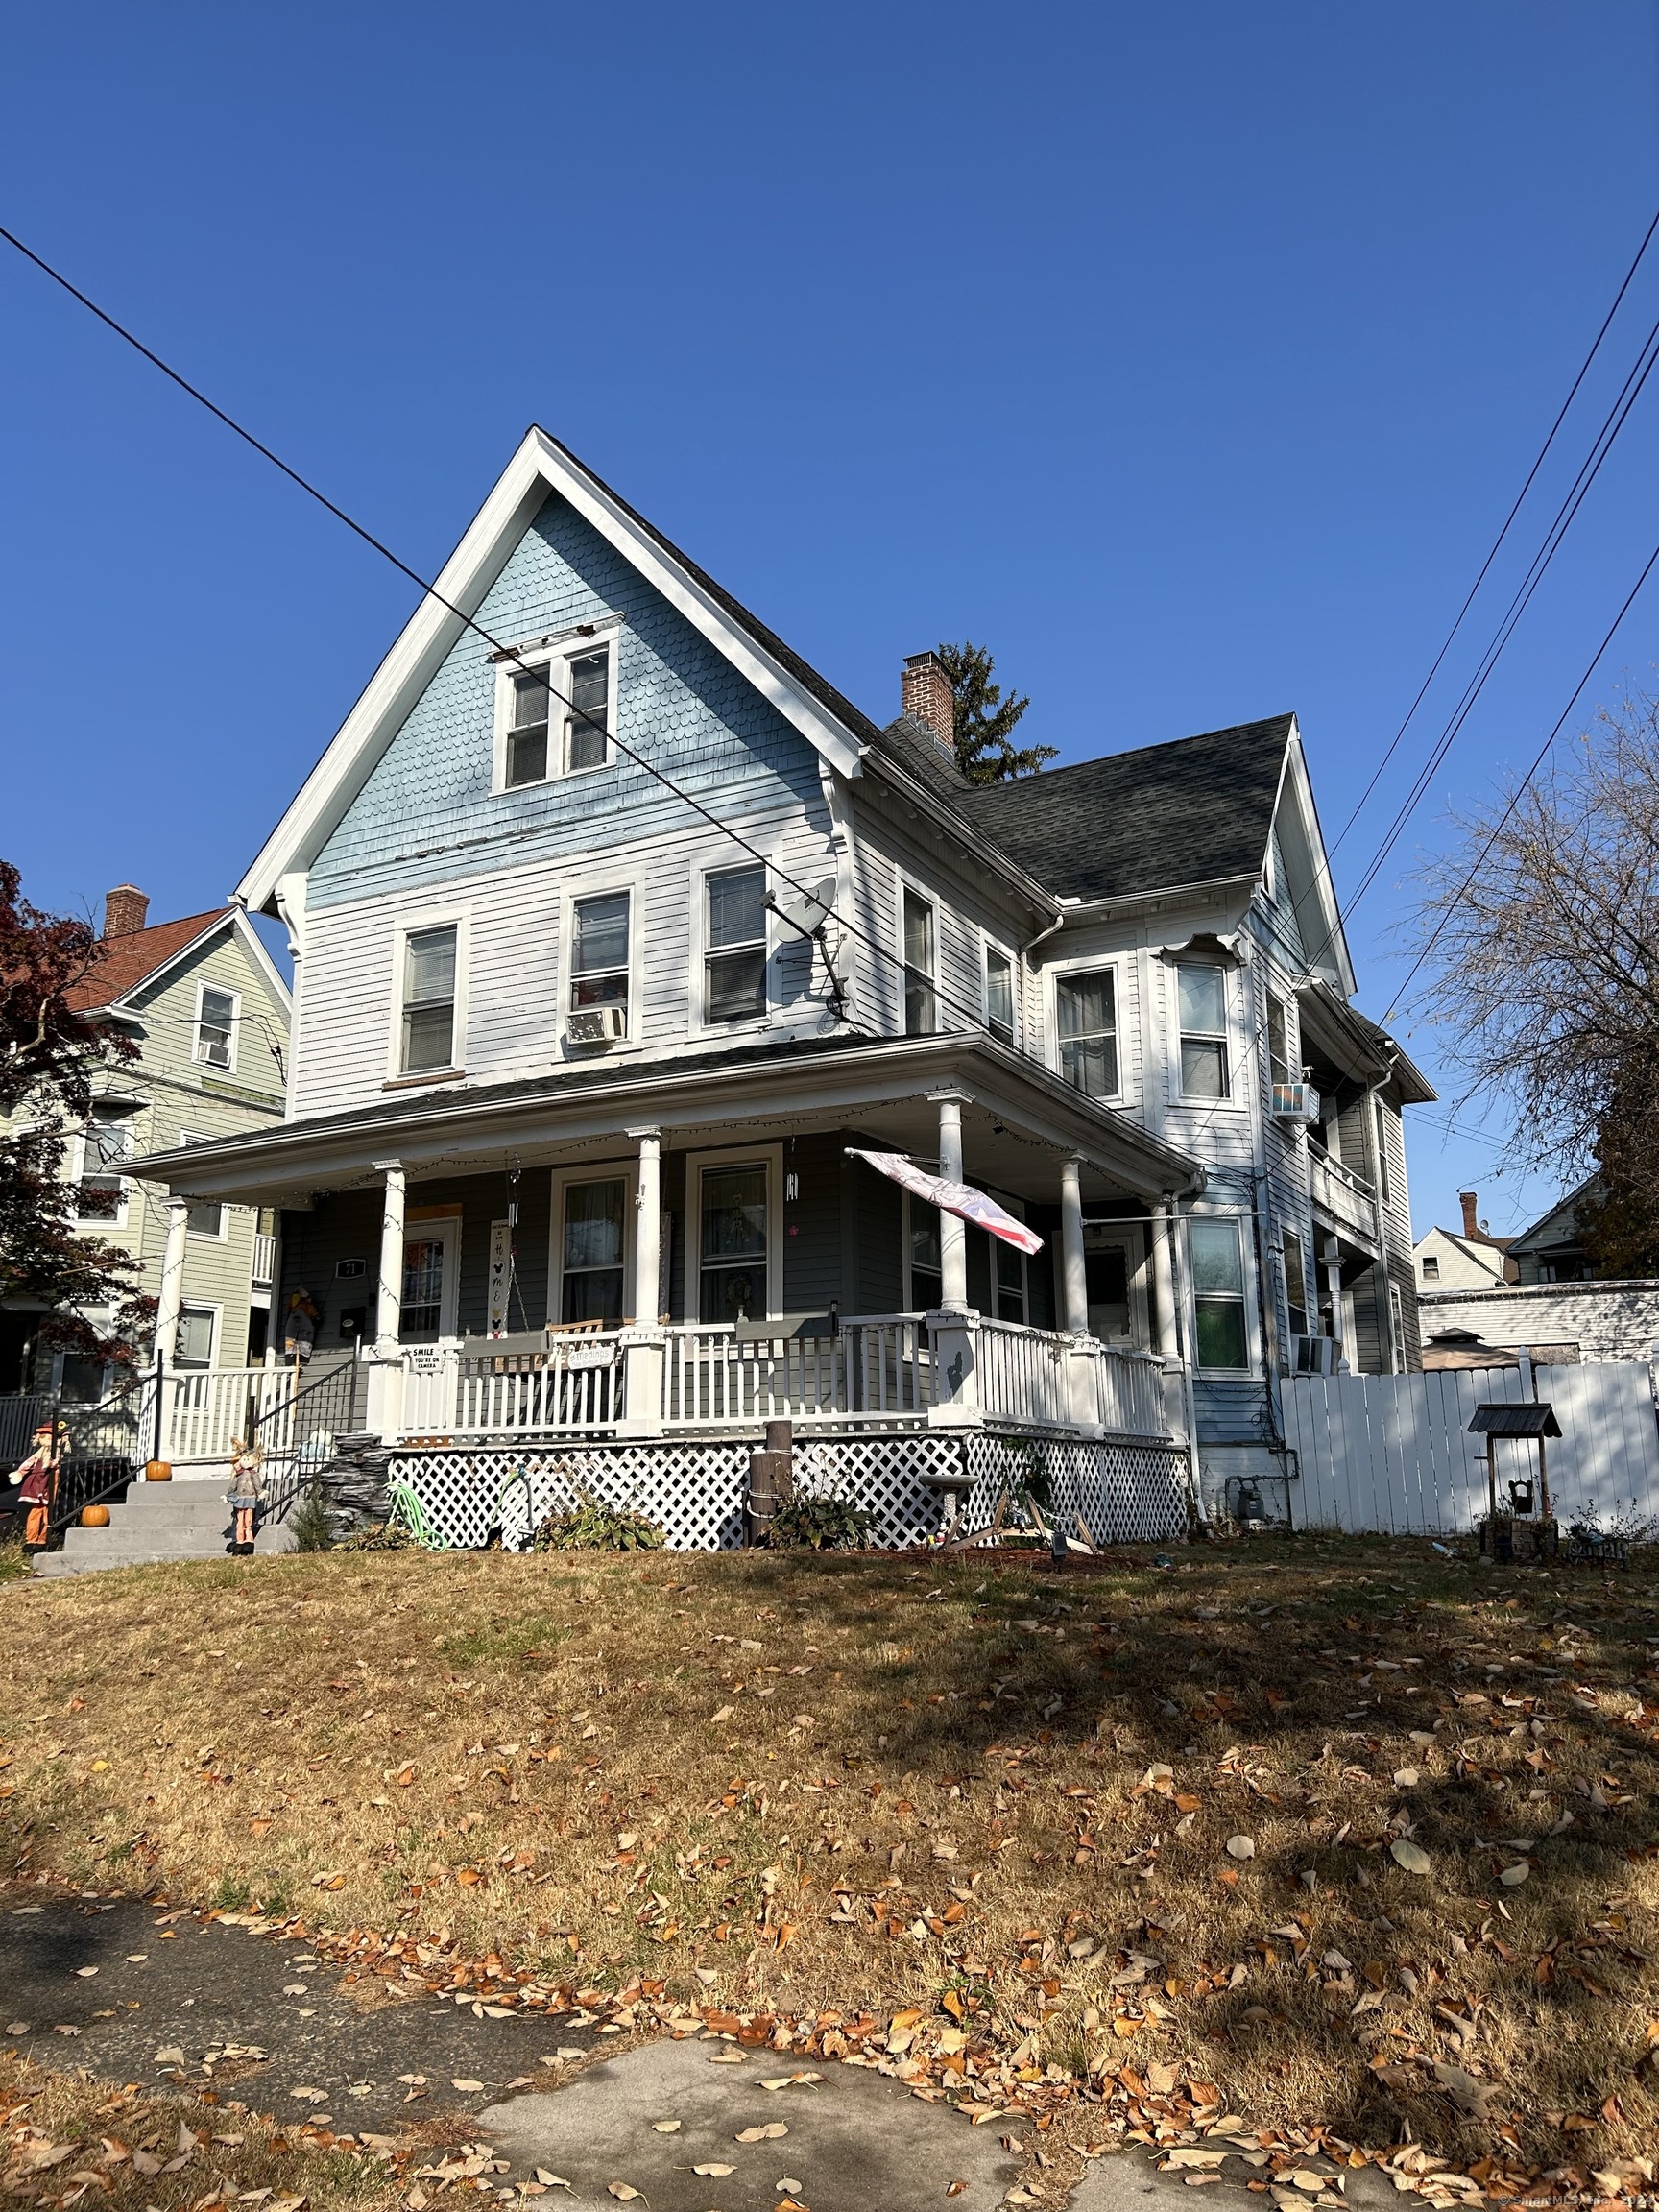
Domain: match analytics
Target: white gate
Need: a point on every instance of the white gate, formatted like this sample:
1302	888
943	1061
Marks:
1393	1453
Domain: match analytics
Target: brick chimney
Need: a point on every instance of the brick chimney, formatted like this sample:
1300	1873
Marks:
124	910
1468	1199
929	698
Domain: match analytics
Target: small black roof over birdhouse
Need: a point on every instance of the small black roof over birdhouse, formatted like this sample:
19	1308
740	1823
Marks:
1515	1420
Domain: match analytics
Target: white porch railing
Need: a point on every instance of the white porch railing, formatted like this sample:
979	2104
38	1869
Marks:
573	1389
876	1371
264	1259
1024	1375
207	1407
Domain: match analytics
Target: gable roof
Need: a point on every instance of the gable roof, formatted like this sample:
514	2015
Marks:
1559	1225
1196	810
541	467
125	962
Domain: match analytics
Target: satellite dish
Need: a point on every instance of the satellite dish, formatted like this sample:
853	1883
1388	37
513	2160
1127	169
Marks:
805	911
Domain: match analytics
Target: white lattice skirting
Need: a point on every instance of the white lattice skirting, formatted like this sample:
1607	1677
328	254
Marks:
1125	1489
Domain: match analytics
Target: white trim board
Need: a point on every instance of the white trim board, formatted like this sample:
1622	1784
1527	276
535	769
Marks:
540	466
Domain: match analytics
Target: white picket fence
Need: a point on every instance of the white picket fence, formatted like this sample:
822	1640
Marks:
1392	1454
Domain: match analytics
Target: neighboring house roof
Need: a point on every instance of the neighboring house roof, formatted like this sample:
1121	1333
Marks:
1483	1252
126	962
1199	810
1558	1226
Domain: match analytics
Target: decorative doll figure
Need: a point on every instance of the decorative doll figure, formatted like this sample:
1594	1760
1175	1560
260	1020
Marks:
247	1488
38	1477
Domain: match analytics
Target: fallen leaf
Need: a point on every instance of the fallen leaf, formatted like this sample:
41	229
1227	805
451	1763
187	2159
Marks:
767	2135
1470	2095
621	2191
1240	1846
1512	1877
666	2127
1411	1856
457	2083
714	2170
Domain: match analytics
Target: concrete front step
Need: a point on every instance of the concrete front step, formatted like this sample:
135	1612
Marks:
159	1521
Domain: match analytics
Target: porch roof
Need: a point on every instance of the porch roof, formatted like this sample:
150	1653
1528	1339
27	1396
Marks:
1019	1119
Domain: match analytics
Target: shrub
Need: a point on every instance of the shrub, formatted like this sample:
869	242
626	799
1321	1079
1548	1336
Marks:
807	1523
591	1524
310	1523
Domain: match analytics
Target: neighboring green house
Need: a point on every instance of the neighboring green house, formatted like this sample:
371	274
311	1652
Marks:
209	1012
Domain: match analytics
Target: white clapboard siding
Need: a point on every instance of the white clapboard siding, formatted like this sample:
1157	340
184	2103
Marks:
513	919
1393	1453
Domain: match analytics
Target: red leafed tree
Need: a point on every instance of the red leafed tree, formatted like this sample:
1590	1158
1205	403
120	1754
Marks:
50	1054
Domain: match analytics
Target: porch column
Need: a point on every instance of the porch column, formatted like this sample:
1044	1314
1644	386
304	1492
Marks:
952	1231
954	1341
1333	1258
386	1375
1164	1282
643	1343
1074	1274
171	1294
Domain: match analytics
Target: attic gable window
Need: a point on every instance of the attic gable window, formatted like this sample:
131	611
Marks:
216	1027
552	712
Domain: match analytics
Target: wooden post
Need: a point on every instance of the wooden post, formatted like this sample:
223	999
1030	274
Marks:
1492	1486
1544	1513
771	1480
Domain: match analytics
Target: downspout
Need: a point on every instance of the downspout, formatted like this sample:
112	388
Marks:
1028	963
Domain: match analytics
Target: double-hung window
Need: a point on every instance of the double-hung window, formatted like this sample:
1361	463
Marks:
529	706
732	1263
586	719
596	1217
599	953
1086	1016
1379	1132
101	1193
216	1028
998	995
921	1001
925	1268
1204	1058
202	1216
429	999
734	955
1278	1068
1295	1283
1218	1294
1009	1266
193	1346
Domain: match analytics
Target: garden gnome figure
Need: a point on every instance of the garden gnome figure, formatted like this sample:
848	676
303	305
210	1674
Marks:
299	1330
247	1488
38	1483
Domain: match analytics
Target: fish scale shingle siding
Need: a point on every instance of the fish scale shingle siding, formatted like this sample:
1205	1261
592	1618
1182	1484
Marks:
427	813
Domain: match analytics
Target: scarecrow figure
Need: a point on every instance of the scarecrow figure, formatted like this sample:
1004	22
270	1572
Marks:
246	1489
38	1483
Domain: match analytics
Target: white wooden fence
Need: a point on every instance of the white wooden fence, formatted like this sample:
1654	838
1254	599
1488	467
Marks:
1393	1453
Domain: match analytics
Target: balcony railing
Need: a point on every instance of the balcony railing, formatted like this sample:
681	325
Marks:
264	1259
1346	1198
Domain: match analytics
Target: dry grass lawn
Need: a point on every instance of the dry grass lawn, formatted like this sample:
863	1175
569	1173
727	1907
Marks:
1305	1821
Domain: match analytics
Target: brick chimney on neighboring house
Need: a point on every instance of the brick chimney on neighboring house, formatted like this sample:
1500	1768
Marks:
929	698
124	910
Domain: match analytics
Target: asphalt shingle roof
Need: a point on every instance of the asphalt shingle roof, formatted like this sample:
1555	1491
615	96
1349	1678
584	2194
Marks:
1192	811
125	962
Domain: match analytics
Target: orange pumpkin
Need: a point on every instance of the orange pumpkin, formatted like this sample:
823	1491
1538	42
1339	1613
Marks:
94	1516
157	1471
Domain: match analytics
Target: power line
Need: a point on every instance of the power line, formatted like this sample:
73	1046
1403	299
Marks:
974	1015
1520	790
1496	542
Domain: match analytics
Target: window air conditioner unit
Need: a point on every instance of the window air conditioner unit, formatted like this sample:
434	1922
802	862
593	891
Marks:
1313	1356
597	1024
1295	1102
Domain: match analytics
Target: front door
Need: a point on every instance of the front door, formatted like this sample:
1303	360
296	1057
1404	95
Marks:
1113	1264
431	1256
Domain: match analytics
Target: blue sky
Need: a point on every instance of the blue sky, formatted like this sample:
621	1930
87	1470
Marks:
1188	357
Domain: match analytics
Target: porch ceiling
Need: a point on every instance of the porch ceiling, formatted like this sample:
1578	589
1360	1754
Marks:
1019	1122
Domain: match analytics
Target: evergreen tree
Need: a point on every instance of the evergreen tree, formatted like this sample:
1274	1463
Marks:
982	719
